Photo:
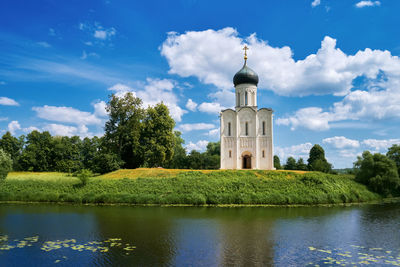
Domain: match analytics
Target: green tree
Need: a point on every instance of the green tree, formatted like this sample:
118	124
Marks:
122	130
179	159
394	154
290	164
5	164
104	162
300	165
89	148
37	155
317	160
195	160
378	172
277	163
66	154
157	137
12	146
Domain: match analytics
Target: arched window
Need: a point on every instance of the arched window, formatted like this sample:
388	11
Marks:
245	98
263	153
247	128
230	153
229	129
238	99
263	127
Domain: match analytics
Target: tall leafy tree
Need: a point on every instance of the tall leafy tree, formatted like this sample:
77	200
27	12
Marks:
179	159
12	146
66	154
290	164
123	129
394	154
37	155
5	164
300	165
378	172
277	162
317	160
157	137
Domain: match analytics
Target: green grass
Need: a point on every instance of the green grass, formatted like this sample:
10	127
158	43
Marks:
158	186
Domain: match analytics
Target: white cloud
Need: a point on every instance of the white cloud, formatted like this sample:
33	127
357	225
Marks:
86	55
155	91
362	4
30	129
315	3
214	56
212	108
100	109
3	119
191	105
66	115
198	146
187	127
296	151
13	127
43	44
5	101
64	130
214	132
380	145
98	31
341	142
311	118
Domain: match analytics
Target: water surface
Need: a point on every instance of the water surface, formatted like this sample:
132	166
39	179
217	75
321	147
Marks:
49	234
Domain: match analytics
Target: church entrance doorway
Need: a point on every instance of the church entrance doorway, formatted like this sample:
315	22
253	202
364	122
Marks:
246	162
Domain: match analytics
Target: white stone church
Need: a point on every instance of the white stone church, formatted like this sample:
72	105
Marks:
246	132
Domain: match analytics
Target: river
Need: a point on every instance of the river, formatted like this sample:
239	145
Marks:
73	235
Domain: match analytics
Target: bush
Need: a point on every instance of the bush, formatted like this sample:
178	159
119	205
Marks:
84	176
5	164
378	172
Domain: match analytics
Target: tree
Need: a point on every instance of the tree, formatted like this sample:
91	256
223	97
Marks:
66	154
37	155
378	172
122	130
5	164
394	154
157	137
89	148
290	164
179	159
300	165
277	163
12	146
317	160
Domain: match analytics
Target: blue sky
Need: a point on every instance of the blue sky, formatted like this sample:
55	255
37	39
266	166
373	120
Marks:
329	69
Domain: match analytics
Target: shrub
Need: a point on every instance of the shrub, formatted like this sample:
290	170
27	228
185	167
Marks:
84	176
5	164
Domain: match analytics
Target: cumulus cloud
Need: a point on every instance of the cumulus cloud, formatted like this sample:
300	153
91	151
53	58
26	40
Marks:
13	127
100	109
155	91
187	127
311	118
214	56
65	130
315	3
5	101
362	4
214	132
341	142
191	105
43	44
296	151
200	145
66	115
380	145
211	108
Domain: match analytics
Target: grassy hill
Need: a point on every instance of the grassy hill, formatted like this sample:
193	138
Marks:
194	187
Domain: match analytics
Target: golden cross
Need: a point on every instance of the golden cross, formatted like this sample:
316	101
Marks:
245	48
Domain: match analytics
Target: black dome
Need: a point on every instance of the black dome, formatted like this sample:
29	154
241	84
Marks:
245	75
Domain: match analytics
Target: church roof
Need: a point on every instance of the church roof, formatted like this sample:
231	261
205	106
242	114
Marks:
245	75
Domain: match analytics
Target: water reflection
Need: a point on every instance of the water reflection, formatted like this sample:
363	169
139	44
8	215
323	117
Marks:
183	236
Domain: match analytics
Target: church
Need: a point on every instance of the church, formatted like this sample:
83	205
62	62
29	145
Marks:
246	132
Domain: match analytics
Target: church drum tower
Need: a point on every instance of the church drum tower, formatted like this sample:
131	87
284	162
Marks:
246	132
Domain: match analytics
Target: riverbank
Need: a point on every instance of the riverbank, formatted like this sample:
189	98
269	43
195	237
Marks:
163	187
